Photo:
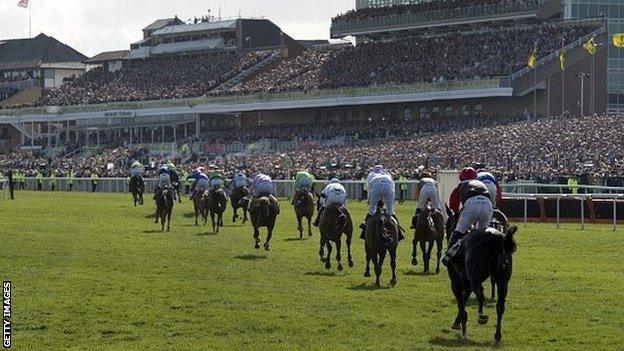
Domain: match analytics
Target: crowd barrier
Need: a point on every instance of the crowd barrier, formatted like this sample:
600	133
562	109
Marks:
561	203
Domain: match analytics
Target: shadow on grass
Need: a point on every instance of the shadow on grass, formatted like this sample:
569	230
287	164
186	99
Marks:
152	216
458	341
368	287
251	257
207	234
189	215
296	239
321	273
420	273
154	231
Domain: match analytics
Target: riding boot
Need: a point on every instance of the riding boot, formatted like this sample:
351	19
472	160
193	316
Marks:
363	226
415	218
455	245
401	230
318	217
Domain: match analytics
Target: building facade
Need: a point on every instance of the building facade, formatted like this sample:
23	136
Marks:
614	12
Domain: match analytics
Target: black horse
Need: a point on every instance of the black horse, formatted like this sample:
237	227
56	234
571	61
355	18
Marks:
381	238
217	202
241	197
485	253
164	207
137	188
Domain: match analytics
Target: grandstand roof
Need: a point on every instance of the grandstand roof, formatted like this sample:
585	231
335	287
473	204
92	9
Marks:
161	23
109	56
33	53
196	27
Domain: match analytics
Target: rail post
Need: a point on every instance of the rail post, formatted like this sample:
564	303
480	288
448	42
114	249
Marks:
582	213
558	212
615	213
526	206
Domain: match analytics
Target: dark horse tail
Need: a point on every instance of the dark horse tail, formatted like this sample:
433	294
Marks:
509	242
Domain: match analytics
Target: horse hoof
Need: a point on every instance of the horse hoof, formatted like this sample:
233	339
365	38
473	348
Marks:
393	282
323	259
256	246
367	274
498	337
339	266
327	265
456	326
350	264
483	319
414	262
437	270
267	247
377	284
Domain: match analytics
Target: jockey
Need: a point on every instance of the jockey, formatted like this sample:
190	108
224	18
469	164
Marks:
175	179
201	181
216	179
333	193
492	185
262	185
164	179
304	180
380	188
136	169
426	190
476	210
240	180
467	173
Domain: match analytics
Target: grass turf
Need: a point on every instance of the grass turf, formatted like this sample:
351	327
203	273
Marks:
89	271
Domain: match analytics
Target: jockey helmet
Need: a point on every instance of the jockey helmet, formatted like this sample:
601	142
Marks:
378	169
467	173
200	170
334	181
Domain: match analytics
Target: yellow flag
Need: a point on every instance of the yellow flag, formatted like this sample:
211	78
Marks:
532	62
562	60
618	40
590	46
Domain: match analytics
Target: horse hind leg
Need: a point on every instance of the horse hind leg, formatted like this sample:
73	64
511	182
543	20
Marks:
300	226
393	254
478	289
322	249
349	257
500	309
169	220
235	214
338	256
493	291
329	250
438	253
414	251
267	244
310	226
377	268
423	248
256	237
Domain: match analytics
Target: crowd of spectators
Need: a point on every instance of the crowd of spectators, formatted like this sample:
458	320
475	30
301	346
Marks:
422	6
547	150
451	56
172	77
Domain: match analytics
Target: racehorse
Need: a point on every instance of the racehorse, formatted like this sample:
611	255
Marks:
304	207
429	229
486	253
176	189
499	222
164	207
200	204
381	237
137	188
217	202
335	221
240	199
263	212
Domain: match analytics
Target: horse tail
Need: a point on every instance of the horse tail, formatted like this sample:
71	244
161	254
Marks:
266	208
341	221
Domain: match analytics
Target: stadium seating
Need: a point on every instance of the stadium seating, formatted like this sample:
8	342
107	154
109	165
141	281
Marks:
155	79
425	6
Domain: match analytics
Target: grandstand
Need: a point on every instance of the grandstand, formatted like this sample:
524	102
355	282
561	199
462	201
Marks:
246	95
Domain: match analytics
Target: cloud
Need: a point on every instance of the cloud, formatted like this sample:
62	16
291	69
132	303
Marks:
93	26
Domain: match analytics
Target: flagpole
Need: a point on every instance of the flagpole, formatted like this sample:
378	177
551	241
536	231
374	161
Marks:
30	21
562	84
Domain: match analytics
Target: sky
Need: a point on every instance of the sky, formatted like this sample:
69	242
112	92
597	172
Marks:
94	26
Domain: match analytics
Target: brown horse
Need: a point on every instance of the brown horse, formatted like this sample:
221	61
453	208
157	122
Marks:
200	204
381	237
429	229
217	203
335	221
263	212
304	207
137	188
164	207
240	199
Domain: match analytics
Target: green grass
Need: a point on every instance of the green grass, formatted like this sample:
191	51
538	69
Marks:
91	272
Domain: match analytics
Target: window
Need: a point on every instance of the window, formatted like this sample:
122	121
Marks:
465	111
479	109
